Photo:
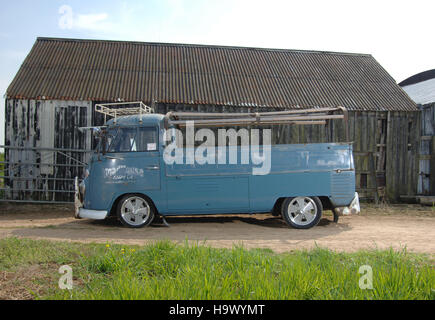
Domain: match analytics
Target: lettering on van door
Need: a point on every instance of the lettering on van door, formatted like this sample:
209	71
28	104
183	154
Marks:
123	173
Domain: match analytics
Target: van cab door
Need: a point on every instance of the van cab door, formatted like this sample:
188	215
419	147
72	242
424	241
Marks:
131	162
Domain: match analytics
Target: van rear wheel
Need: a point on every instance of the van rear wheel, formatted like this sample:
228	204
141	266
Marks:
302	212
135	211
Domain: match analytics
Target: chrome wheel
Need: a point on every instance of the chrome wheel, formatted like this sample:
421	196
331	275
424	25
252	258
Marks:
135	211
302	212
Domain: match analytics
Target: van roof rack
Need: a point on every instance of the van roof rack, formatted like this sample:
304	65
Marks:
117	109
300	116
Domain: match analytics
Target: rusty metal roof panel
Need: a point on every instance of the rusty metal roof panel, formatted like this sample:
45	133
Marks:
102	70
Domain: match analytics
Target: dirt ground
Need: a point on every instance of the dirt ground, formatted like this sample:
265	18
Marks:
381	227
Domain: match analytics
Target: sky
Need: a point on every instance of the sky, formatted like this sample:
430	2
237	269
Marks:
399	34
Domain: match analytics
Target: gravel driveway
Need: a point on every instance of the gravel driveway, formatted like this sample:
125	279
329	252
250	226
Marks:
397	226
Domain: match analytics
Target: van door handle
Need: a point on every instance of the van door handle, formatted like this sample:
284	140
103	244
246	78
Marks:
153	168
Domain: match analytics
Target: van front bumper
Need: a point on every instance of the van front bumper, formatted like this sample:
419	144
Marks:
353	208
81	212
91	214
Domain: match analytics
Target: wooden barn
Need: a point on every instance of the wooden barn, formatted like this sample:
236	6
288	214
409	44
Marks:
61	80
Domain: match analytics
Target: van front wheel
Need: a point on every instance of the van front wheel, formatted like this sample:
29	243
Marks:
135	211
302	212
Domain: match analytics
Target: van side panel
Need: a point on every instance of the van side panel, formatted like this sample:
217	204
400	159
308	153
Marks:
274	186
305	170
218	194
324	169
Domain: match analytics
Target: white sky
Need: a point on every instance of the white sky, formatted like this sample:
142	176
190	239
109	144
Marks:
399	34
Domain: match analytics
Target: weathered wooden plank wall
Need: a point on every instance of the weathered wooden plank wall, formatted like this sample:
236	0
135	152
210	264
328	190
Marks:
402	154
432	166
67	119
426	178
44	124
22	129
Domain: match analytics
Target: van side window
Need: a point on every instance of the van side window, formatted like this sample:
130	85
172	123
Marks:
147	139
138	139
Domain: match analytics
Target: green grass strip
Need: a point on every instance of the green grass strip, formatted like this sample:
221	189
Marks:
164	270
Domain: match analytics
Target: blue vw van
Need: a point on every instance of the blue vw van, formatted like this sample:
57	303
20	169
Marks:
128	177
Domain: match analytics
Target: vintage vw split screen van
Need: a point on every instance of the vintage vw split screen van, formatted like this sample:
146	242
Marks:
145	166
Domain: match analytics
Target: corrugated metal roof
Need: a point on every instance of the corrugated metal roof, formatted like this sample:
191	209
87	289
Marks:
101	70
421	92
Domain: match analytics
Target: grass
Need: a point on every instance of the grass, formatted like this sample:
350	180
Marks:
164	270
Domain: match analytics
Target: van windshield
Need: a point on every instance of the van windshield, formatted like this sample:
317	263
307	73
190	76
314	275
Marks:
133	139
